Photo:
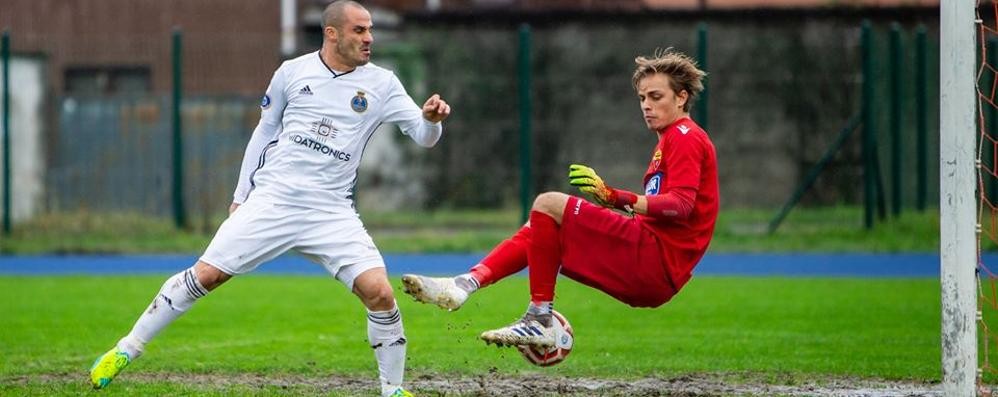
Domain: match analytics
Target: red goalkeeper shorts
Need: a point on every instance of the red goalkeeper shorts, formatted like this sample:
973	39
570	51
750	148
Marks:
614	254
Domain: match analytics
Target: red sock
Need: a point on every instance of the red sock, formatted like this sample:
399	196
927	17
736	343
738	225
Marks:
544	256
507	258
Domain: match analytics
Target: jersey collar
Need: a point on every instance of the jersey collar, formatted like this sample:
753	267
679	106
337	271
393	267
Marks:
335	75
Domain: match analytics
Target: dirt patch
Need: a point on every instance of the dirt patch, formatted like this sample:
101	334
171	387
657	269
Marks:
688	385
532	385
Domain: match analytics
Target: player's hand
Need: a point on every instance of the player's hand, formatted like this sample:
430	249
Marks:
435	109
232	208
587	181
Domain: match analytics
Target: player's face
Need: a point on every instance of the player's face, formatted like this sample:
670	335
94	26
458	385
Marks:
660	105
354	38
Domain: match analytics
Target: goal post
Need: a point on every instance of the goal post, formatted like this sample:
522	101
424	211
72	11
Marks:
958	198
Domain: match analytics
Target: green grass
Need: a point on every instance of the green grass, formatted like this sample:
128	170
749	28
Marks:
837	229
834	229
51	328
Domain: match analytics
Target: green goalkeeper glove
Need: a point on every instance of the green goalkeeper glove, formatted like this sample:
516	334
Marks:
587	181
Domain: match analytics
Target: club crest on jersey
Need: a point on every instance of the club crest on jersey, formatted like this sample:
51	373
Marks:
359	103
657	158
653	185
265	101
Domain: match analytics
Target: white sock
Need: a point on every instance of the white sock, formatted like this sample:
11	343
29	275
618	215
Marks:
177	295
384	331
467	283
541	311
540	308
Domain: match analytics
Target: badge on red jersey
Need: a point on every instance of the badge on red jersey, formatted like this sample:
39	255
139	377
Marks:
654	184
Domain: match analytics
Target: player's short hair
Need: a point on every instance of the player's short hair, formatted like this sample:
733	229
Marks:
682	71
333	15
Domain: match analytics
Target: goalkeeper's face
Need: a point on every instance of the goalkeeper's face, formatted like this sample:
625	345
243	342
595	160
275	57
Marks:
354	38
660	104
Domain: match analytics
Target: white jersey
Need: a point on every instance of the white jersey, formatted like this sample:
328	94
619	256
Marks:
313	129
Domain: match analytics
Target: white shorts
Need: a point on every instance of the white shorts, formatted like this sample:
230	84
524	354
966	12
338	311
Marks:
258	232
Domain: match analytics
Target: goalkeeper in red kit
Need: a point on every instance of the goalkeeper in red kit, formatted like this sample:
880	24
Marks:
642	254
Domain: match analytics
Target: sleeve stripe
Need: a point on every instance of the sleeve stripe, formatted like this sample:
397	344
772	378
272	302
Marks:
263	160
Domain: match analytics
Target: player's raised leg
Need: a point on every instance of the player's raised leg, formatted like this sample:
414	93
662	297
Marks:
177	295
384	329
544	256
507	258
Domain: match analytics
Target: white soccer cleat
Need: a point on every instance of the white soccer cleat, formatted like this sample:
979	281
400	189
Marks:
525	332
440	291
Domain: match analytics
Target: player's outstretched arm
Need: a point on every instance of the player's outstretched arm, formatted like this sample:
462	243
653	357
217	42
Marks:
422	124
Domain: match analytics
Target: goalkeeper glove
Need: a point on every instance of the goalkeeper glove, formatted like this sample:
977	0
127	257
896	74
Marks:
587	181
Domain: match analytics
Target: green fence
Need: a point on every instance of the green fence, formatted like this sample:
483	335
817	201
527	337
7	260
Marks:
528	101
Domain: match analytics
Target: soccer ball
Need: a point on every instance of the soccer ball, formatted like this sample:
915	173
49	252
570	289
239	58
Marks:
565	339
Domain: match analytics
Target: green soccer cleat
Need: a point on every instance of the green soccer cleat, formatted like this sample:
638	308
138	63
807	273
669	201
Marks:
400	392
107	367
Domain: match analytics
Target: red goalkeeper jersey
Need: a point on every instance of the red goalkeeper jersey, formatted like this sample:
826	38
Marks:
683	158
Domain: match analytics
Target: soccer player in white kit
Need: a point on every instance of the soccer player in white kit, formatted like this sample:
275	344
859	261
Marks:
295	189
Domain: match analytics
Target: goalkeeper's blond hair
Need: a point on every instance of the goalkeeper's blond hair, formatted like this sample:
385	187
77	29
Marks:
682	71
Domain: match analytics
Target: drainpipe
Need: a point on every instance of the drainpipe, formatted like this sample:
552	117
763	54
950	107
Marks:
289	27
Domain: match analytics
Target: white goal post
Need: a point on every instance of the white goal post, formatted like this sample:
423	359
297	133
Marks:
958	198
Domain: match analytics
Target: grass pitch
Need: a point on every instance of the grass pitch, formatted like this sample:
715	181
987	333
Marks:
295	332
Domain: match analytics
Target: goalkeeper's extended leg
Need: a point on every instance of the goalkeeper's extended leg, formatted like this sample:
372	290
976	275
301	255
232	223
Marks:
447	292
536	328
507	258
544	252
177	295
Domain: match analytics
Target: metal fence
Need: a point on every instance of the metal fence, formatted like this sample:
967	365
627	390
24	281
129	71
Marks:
781	89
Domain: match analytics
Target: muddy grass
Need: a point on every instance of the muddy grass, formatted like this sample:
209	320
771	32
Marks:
528	385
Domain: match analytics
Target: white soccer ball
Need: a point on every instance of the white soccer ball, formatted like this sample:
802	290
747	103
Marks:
564	340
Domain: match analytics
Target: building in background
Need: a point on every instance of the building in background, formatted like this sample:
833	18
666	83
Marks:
124	46
232	46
